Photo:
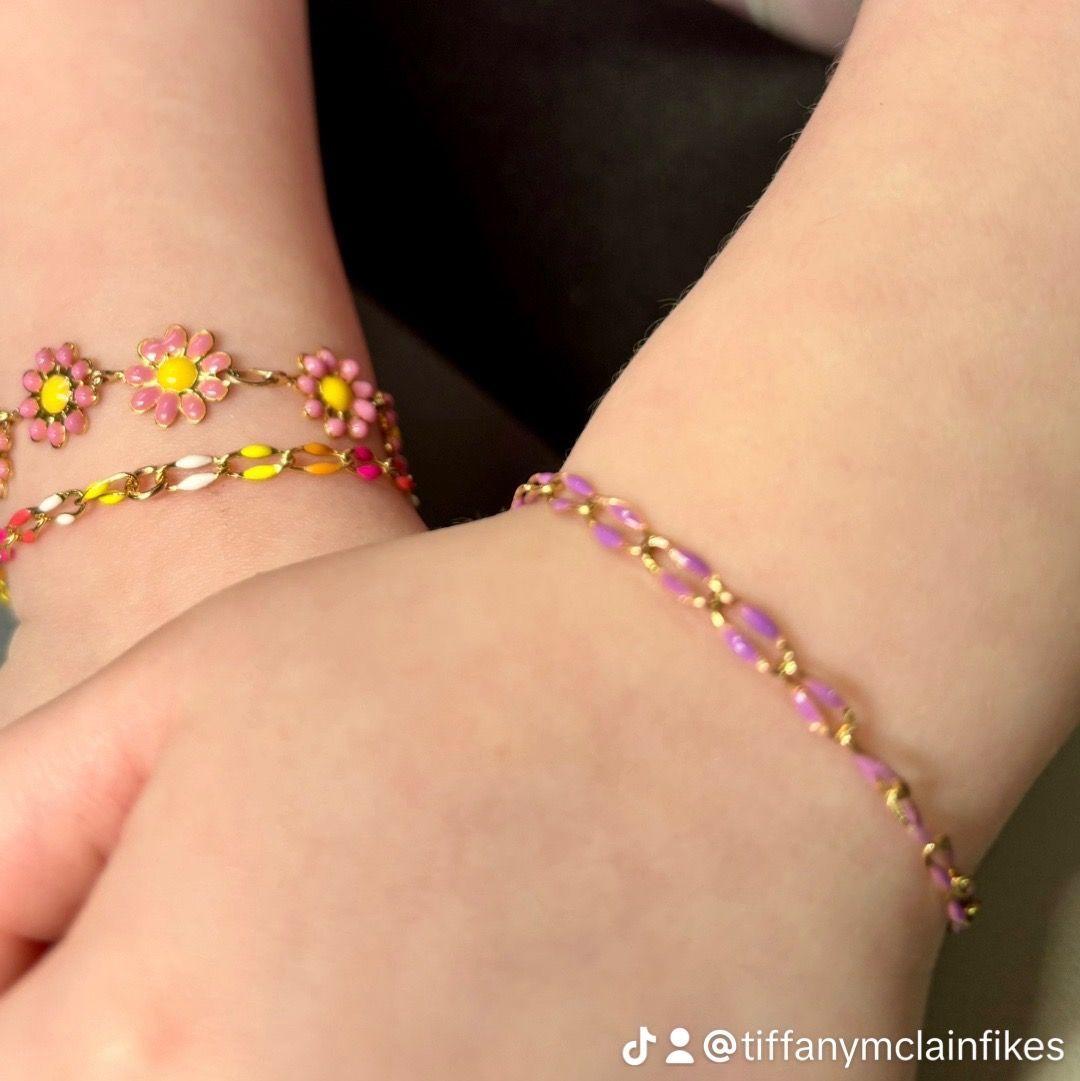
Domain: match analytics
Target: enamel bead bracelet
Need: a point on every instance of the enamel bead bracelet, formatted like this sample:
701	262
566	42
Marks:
181	375
191	473
754	637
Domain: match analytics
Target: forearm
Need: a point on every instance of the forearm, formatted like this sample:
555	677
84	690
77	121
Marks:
865	411
161	165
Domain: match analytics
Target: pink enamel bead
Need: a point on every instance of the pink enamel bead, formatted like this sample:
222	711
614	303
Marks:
28	409
138	374
145	398
64	356
38	429
213	390
193	407
57	434
349	369
76	422
368	471
84	397
32	382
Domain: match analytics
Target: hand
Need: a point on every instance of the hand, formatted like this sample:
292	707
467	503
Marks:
472	804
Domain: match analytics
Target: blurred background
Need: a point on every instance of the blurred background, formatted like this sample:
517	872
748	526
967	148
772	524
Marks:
522	189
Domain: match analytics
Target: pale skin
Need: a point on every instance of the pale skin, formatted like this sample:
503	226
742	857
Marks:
523	802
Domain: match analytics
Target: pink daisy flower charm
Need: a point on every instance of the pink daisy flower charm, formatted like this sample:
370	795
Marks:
178	375
61	387
336	394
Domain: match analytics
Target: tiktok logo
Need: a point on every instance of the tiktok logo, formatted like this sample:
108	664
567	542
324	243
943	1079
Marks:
635	1052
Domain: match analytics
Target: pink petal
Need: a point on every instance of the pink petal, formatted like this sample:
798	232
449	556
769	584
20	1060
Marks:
38	430
151	349
76	422
43	360
363	389
304	383
138	374
167	409
174	339
314	408
326	355
84	397
216	362
314	366
194	408
145	399
32	382
213	390
201	343
349	369
335	427
80	370
365	410
28	408
358	428
57	434
65	356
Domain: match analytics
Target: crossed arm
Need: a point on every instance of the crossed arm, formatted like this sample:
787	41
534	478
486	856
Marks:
448	794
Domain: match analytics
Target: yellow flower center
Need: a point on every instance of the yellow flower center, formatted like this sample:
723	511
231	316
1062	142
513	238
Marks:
55	394
336	393
177	373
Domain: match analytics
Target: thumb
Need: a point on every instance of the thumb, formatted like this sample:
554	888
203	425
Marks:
69	774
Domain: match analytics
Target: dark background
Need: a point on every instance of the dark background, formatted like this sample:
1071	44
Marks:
527	186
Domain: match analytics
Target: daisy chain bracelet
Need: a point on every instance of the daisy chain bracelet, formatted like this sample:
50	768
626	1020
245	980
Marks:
753	636
185	375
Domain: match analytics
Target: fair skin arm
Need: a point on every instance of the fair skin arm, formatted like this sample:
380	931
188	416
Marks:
169	173
541	803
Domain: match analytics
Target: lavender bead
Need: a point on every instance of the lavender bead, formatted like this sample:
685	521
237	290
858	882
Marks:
806	706
740	646
690	562
676	585
606	536
825	694
758	621
874	770
579	485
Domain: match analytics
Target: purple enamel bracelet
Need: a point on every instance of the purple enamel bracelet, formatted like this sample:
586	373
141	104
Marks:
754	637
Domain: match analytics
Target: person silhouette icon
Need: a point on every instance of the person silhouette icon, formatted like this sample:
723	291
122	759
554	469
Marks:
680	1056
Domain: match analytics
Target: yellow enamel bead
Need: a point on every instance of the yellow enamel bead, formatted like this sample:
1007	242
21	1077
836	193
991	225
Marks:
261	472
55	394
336	393
96	491
320	449
257	450
109	498
177	373
321	469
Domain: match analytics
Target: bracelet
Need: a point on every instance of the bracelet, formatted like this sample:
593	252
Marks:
191	473
184	375
754	637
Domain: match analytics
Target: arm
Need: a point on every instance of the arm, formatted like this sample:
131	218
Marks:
572	810
161	165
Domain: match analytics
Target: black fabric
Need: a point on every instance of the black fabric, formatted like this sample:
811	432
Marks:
530	185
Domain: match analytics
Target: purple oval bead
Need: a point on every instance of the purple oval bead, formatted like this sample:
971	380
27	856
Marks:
825	694
543	478
673	584
941	876
690	562
740	646
806	706
758	621
606	536
957	914
628	516
914	819
560	504
579	485
874	770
